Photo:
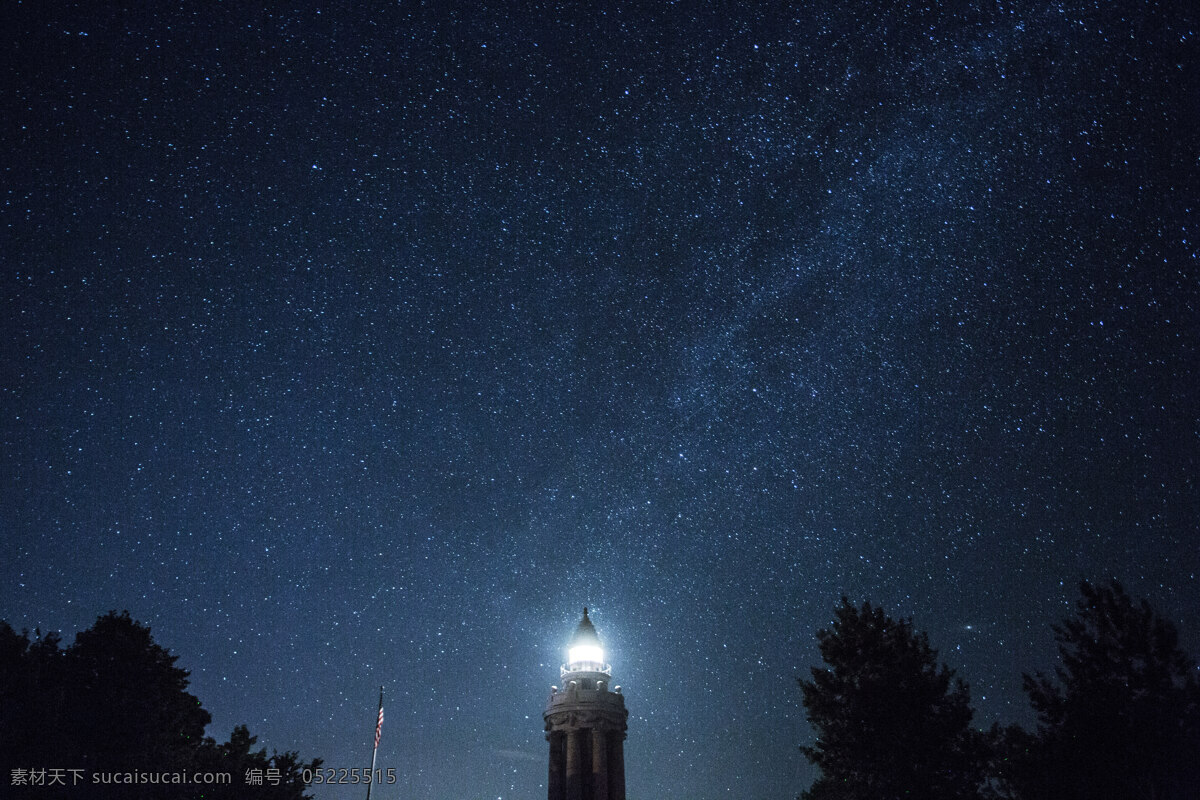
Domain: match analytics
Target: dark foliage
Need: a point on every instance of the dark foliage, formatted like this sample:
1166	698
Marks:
115	702
238	759
890	722
1120	719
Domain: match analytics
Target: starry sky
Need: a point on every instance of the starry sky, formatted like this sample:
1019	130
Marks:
351	346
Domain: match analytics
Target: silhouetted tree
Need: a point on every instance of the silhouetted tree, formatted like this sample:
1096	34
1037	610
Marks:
1120	719
890	722
281	773
32	680
127	704
115	701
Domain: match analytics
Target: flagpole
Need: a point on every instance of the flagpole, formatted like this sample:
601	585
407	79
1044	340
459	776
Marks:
375	752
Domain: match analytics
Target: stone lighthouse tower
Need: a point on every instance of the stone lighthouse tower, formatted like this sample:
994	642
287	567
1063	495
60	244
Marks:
585	724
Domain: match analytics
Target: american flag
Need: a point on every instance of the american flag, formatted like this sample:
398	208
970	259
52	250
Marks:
379	724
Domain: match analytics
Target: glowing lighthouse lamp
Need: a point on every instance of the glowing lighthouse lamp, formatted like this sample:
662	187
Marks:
584	653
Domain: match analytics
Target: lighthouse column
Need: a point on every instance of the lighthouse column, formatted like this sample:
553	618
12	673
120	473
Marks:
599	765
617	768
574	773
558	766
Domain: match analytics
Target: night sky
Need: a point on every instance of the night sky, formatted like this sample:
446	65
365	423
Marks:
351	347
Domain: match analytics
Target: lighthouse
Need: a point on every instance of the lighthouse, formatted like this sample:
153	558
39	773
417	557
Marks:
586	724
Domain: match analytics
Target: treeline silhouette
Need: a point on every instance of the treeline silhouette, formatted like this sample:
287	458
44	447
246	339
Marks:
113	706
1119	719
